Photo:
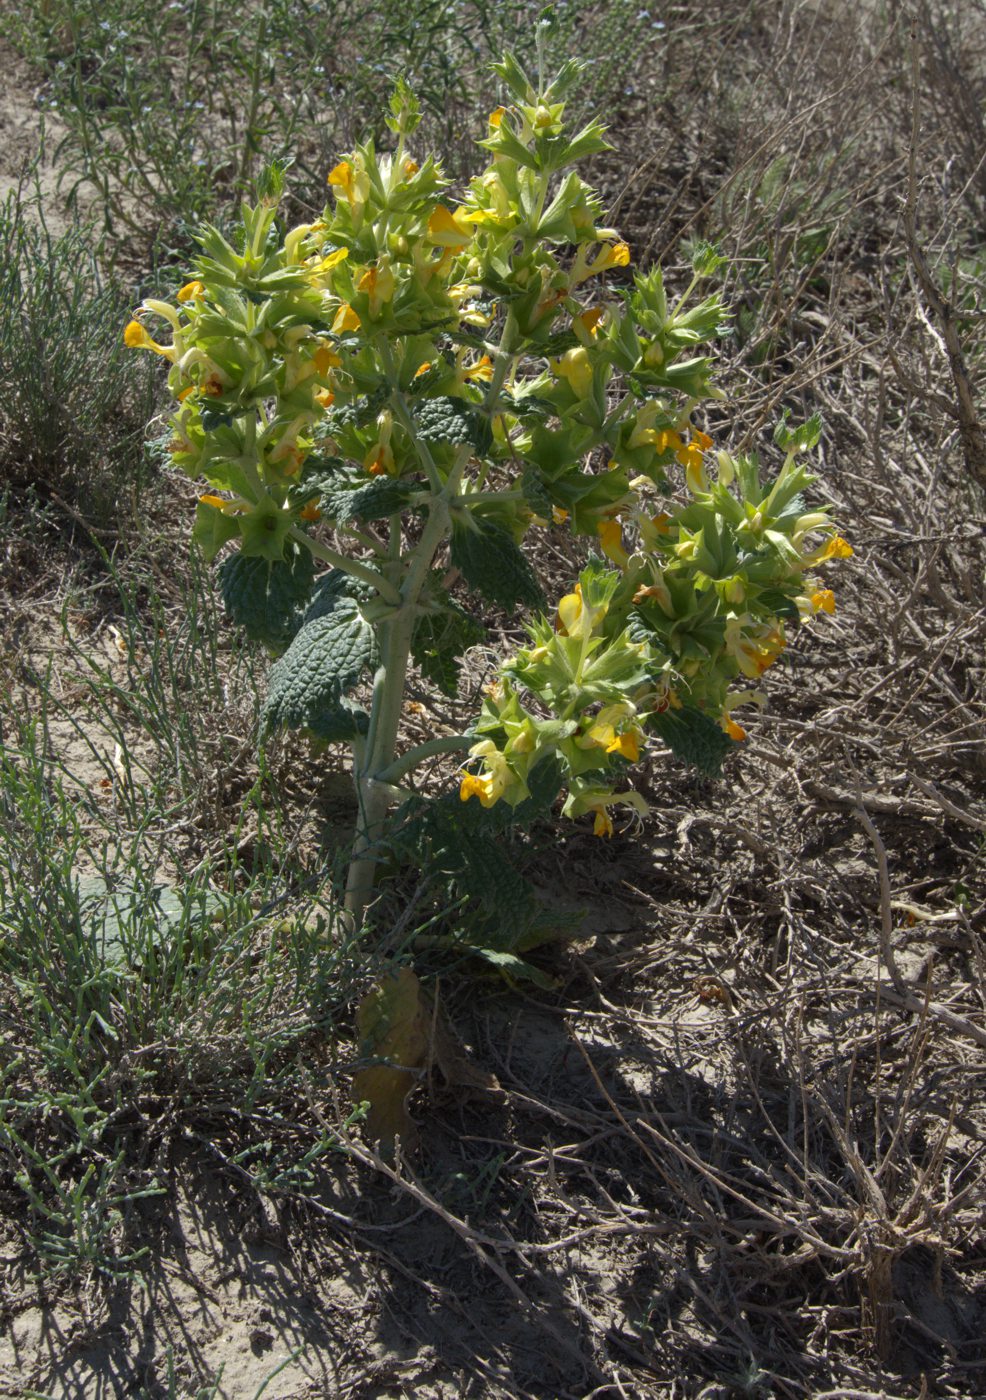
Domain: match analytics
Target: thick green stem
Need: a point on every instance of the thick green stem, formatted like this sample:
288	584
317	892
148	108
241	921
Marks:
443	743
373	790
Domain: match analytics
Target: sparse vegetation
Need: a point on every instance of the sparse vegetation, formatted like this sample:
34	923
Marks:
728	1140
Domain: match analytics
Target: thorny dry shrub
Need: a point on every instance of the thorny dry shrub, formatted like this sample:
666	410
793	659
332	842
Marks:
738	1150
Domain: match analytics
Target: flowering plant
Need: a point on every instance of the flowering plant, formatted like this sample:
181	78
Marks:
413	374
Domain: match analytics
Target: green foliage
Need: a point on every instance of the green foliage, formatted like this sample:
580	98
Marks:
440	638
451	421
693	737
493	565
475	857
267	597
119	990
345	494
168	109
467	384
307	687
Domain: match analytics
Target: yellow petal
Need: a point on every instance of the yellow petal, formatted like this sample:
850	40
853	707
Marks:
570	612
445	231
603	825
346	319
327	263
190	291
341	176
482	369
628	745
838	548
325	359
611	540
135	337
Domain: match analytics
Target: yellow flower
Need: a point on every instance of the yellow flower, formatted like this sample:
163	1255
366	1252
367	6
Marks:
490	785
325	359
602	733
574	618
823	600
575	368
378	283
234	507
559	515
690	457
190	291
611	541
379	461
473	785
411	167
482	369
318	269
610	255
496	116
586	323
837	548
659	592
346	319
310	512
734	730
445	230
603	824
628	745
341	177
136	337
753	654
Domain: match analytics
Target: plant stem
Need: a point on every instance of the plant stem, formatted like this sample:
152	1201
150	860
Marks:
363	572
443	743
372	776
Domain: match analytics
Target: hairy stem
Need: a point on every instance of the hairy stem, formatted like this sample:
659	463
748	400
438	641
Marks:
372	776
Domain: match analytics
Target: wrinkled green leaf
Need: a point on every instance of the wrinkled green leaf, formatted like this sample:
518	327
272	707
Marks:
693	737
444	420
493	565
327	657
266	597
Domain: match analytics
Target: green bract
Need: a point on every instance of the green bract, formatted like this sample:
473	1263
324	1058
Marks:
415	382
